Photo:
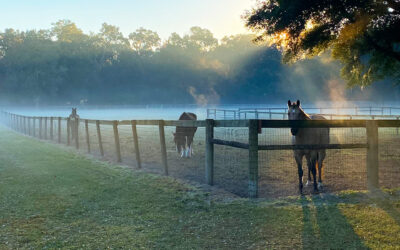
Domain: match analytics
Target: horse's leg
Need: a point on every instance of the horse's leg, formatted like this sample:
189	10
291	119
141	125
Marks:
299	158
308	183
314	170
190	142
182	151
321	157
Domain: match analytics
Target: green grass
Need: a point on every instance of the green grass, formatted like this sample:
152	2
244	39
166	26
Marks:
53	198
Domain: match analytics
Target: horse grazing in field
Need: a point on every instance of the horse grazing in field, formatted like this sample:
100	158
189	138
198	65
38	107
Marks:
73	117
308	136
183	136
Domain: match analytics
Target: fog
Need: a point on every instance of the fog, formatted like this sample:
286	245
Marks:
64	67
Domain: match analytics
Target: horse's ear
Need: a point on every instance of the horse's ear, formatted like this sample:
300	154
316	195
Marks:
289	103
298	103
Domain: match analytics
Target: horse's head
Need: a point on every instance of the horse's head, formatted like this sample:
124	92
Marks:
74	111
179	141
294	113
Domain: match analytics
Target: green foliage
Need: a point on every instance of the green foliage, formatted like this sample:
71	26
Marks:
144	40
110	35
66	31
362	34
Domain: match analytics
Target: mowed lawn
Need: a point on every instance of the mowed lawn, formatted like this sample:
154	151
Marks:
54	198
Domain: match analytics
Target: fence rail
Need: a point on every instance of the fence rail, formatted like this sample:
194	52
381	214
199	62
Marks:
270	113
26	125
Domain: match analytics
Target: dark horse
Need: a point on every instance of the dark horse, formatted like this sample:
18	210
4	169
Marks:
73	117
308	136
183	136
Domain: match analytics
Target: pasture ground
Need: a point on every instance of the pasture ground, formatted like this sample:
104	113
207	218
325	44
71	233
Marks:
51	197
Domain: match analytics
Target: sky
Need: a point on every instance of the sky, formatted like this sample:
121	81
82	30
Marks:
222	17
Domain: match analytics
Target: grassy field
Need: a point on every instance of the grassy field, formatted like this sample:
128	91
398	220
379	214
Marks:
51	197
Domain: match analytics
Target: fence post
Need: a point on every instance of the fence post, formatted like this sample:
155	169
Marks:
163	146
45	128
397	127
99	137
116	139
76	128
34	127
253	158
59	130
87	135
29	126
372	155
20	123
136	143
24	121
40	127
51	128
17	123
68	131
209	171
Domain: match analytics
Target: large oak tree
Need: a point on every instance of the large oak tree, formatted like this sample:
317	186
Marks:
363	34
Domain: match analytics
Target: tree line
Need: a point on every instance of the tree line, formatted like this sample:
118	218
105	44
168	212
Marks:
63	65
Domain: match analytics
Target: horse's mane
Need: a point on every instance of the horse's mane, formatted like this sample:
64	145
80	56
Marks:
304	114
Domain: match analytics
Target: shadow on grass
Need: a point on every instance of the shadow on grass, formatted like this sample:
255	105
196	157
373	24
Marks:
382	200
325	227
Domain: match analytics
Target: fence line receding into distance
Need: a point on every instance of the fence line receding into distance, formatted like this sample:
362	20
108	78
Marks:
52	128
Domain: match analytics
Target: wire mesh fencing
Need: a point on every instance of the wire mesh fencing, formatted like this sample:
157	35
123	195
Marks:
344	168
389	157
231	164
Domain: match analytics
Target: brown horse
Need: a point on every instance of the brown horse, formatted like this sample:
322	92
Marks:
183	136
308	136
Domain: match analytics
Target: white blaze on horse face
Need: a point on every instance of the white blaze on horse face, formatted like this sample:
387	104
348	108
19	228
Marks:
293	112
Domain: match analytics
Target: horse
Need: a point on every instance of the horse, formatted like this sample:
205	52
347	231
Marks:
73	117
308	136
183	136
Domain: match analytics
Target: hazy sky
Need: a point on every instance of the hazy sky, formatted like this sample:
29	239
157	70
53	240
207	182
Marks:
222	17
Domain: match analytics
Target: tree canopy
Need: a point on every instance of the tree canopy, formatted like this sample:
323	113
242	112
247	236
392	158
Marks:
63	65
364	35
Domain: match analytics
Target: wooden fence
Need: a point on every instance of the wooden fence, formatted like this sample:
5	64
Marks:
23	125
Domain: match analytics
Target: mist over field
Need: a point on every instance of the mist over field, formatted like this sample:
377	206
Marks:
64	66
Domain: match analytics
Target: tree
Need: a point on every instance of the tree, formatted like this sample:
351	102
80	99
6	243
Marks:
66	31
175	40
110	35
144	40
201	38
362	34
